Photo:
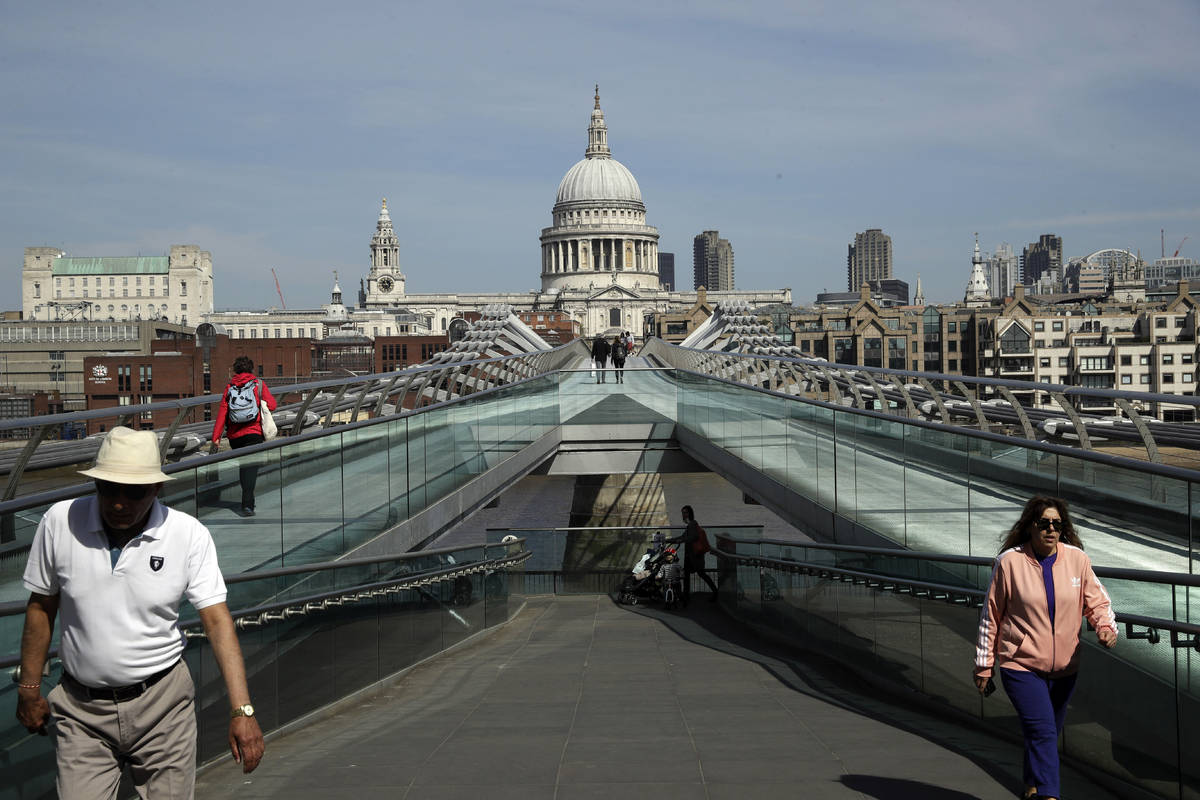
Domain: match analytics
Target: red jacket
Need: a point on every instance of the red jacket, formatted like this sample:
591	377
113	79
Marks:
1014	626
262	393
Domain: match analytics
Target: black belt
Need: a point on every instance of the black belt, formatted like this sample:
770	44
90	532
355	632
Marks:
118	694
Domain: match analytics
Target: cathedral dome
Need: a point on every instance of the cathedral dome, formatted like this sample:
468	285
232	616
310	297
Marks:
601	179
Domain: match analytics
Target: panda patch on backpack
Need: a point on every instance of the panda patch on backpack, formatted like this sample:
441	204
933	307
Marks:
243	403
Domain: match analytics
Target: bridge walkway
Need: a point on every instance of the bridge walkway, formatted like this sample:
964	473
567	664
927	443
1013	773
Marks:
580	698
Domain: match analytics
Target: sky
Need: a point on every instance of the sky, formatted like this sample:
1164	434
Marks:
267	133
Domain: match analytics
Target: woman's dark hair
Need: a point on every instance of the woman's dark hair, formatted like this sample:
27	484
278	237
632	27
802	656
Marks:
691	514
1020	532
243	364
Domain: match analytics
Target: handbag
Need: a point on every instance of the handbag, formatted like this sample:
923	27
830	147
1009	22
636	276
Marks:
270	430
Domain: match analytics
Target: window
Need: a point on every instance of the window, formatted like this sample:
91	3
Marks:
1144	378
1144	359
183	307
1179	322
124	293
1014	340
152	291
1168	358
124	280
952	345
1056	325
37	290
254	333
312	333
1126	361
1126	380
914	345
1168	377
289	333
1160	322
266	333
1185	358
953	365
277	332
1187	377
1043	362
1039	327
138	280
85	292
1063	361
1040	343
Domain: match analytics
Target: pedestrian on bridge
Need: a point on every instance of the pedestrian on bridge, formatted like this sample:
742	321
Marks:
618	360
115	566
240	416
695	548
1042	585
600	353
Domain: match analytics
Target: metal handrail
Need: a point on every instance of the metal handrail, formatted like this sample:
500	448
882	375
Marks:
17	607
1118	573
900	385
454	381
960	595
23	502
301	606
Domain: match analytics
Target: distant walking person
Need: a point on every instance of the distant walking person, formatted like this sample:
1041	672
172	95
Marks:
695	546
600	352
618	359
1042	585
628	342
240	415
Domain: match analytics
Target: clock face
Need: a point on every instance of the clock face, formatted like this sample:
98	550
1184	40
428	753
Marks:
385	284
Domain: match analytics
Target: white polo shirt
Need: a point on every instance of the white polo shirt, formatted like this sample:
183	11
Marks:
120	624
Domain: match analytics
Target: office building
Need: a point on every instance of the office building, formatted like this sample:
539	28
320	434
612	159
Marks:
712	262
1041	258
869	259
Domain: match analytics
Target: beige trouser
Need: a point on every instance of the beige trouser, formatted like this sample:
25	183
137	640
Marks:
154	735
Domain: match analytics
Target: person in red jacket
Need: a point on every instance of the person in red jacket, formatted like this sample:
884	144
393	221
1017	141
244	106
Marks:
243	425
1042	586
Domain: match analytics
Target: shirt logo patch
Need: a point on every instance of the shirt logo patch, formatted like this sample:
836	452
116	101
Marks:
1075	582
156	563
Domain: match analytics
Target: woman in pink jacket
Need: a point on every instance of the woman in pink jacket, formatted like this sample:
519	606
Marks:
1042	586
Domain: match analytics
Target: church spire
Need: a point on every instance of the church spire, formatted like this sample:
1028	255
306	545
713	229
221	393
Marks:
919	300
597	133
977	285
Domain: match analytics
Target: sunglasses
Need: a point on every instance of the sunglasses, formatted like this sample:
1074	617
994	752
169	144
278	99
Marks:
1045	524
130	491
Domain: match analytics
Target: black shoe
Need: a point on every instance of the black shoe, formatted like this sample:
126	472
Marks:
247	511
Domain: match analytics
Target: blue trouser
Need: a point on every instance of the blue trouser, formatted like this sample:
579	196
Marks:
1041	704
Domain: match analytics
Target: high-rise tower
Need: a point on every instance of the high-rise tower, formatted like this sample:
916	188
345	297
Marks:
868	259
712	262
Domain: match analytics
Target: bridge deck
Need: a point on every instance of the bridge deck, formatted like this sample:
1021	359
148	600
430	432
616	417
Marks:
579	698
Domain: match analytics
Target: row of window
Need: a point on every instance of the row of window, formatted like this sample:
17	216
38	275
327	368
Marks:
68	333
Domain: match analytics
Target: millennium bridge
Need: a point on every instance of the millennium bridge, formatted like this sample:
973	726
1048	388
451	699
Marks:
425	596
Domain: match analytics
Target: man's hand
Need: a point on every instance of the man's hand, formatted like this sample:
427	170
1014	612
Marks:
1107	636
981	684
213	448
32	710
246	742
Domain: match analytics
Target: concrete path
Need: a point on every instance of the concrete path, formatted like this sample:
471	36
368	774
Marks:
579	698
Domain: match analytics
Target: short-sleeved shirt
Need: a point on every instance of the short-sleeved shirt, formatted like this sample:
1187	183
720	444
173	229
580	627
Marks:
120	622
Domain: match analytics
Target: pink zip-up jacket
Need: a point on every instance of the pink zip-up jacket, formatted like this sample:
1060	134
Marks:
1014	625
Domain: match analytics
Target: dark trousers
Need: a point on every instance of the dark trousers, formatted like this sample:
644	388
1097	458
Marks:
600	369
694	565
1041	705
619	368
247	473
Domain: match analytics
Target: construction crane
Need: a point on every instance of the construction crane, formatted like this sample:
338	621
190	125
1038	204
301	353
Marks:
1177	249
279	291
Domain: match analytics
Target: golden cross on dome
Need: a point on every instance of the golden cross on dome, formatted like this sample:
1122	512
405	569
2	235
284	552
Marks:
597	97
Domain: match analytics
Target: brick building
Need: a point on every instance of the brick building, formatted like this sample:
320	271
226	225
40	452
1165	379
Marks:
186	368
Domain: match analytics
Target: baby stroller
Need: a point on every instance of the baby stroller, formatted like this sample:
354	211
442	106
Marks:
645	579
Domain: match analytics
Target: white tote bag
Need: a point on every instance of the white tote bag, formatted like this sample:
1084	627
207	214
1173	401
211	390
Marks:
270	431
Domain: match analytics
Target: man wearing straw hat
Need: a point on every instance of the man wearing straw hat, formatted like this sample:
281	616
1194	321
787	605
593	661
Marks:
114	567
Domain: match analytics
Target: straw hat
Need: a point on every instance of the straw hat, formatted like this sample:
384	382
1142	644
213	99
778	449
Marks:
128	456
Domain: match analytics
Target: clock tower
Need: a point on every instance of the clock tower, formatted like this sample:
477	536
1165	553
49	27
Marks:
385	282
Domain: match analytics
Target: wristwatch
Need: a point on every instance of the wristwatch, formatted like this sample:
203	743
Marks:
242	711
